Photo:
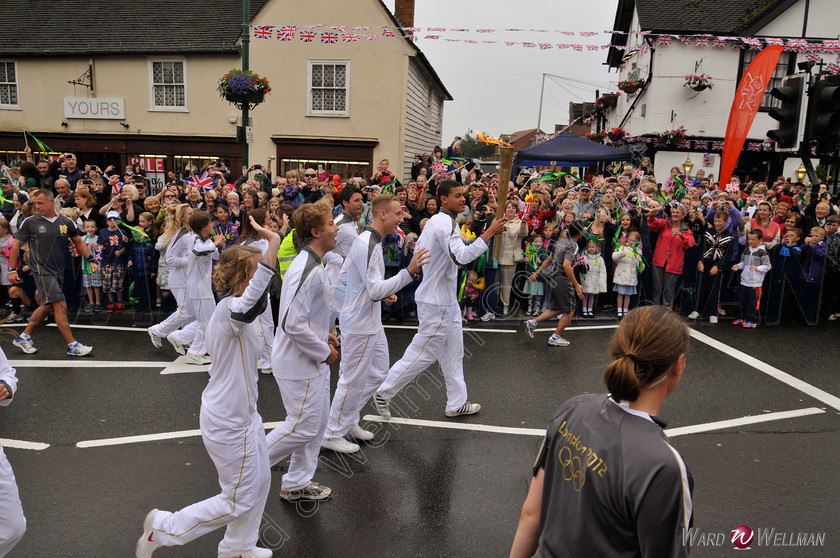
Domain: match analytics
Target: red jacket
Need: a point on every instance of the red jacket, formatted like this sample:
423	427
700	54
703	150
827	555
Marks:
670	248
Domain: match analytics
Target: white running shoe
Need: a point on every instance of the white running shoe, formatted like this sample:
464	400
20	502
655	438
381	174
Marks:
466	409
156	340
694	315
198	360
530	326
25	345
712	319
360	433
339	445
487	316
255	552
264	367
382	405
180	349
557	341
77	349
147	543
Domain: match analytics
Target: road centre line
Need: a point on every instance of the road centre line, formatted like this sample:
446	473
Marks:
83	363
772	371
673	432
22	444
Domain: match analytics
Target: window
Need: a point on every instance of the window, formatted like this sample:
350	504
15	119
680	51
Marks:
329	88
784	68
8	85
168	83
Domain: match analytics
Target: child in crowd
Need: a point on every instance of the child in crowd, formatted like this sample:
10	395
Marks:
141	262
92	280
114	246
472	292
535	255
831	280
629	265
754	265
816	250
225	226
594	280
718	249
6	240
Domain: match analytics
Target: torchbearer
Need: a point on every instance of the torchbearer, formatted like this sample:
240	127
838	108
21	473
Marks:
439	336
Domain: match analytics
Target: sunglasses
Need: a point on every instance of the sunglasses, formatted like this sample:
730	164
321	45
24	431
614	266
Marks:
310	175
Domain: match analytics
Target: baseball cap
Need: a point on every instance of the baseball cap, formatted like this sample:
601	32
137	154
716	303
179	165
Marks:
584	186
112	215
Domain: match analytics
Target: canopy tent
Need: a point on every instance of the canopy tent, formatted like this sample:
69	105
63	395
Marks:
568	150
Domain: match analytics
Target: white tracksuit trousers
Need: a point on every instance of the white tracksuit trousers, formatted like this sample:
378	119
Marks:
364	365
241	460
439	338
181	318
202	309
267	331
12	521
307	404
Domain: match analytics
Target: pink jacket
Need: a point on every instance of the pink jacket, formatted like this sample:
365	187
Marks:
670	248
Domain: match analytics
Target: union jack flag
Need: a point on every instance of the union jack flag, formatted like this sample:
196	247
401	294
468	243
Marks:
587	34
511	43
329	38
387	33
813	150
797	44
539	30
361	28
371	37
513	29
471	41
316	26
578	48
490	42
659	142
563	45
580	261
410	29
400	237
684	40
286	33
702	42
811	56
719	43
544	46
307	36
460	30
340	28
639	174
350	38
717	145
484	30
685	144
608	45
831	46
567	32
432	37
529	45
833	68
435	29
593	47
263	31
732	188
453	40
117	188
753	146
439	168
202	182
699	144
664	40
772	41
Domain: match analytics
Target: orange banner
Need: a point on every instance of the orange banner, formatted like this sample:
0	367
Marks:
744	108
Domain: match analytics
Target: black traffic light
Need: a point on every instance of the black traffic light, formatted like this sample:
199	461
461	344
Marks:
824	114
792	96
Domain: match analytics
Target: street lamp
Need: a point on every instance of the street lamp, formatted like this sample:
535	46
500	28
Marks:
801	172
687	166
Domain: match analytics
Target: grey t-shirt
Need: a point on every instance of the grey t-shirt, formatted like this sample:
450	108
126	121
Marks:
48	247
564	249
613	486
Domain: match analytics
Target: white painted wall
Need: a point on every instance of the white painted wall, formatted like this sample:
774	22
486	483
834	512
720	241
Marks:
822	20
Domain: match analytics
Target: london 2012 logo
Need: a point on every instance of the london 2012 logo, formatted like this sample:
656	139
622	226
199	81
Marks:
741	537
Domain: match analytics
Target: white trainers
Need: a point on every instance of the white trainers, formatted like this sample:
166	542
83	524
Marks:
694	315
339	445
487	317
466	409
360	433
156	340
175	345
198	360
382	405
264	367
255	552
712	319
557	341
530	326
77	349
147	543
25	345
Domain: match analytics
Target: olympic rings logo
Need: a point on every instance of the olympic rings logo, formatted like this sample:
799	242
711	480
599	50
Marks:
573	469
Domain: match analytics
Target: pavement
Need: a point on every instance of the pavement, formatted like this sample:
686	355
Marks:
97	442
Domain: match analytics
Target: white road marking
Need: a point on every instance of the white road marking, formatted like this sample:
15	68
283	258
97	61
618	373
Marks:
458	426
87	363
578	328
753	419
21	444
471	329
772	371
181	366
152	437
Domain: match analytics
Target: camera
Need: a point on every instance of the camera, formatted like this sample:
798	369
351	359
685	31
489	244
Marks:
257	167
121	199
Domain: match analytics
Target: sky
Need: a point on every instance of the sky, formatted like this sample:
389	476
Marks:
496	88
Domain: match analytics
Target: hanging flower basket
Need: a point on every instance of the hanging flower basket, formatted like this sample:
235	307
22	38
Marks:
630	86
698	82
243	87
597	137
674	137
616	134
608	100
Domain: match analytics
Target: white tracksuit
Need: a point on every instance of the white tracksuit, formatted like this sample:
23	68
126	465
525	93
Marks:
176	261
364	347
266	322
12	521
298	360
231	428
200	293
439	336
348	232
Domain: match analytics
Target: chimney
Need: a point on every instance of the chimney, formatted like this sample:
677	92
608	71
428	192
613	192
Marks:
404	11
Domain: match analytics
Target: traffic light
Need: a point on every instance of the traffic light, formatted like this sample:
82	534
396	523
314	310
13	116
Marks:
792	96
824	114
